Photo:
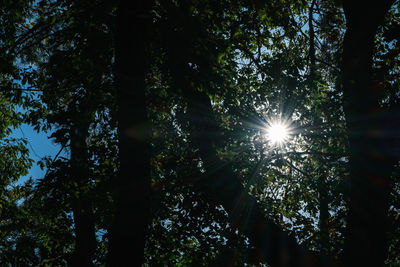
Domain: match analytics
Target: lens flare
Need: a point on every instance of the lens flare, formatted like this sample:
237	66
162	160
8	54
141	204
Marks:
277	133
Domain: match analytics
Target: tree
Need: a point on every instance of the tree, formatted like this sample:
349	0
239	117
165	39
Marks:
133	184
371	160
164	107
57	44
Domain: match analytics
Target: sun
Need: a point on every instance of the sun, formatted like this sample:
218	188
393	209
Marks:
277	133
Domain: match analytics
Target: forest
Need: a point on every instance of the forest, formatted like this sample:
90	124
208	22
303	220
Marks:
201	133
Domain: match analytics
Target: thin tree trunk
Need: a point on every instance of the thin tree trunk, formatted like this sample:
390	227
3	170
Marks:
127	239
324	245
312	42
322	186
85	241
371	161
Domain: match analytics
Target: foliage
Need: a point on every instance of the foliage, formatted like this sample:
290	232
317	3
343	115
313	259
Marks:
256	62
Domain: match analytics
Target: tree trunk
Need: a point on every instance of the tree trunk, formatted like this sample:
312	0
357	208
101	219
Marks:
127	239
322	185
324	245
371	161
85	242
312	43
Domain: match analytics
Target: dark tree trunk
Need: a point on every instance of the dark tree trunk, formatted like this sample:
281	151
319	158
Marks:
323	221
85	242
370	141
322	185
127	239
312	42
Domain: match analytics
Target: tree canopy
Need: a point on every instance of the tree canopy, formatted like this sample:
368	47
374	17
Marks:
201	133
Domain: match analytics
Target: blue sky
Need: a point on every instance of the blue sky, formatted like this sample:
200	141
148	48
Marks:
39	146
38	143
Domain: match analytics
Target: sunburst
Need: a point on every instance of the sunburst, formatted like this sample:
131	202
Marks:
277	133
